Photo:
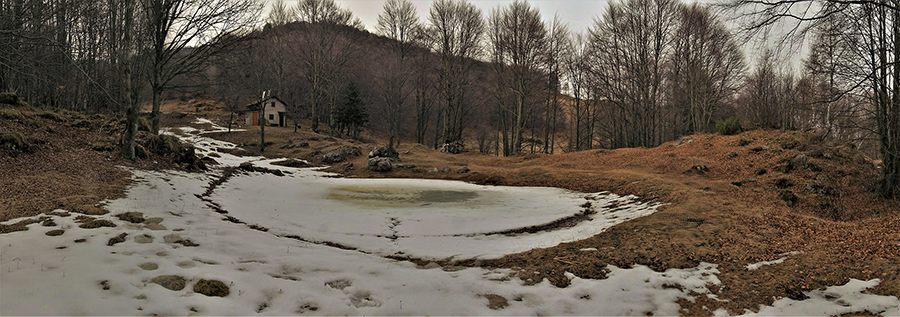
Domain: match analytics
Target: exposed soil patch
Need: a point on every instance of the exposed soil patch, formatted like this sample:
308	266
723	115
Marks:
496	302
170	282
97	223
131	216
57	232
211	288
117	239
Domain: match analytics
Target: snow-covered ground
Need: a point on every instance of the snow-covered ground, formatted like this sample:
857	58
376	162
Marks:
269	273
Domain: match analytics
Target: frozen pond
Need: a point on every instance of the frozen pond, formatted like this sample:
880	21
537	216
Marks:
416	217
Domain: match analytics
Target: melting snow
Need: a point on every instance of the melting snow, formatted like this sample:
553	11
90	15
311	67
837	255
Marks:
269	274
833	301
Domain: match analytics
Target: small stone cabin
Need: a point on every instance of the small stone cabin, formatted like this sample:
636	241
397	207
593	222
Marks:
275	112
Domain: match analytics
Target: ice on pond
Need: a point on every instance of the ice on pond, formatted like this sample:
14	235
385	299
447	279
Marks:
383	196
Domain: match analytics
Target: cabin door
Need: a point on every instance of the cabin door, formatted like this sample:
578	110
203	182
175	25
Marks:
255	118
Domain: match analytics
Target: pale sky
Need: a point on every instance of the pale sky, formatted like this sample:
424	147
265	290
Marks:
578	14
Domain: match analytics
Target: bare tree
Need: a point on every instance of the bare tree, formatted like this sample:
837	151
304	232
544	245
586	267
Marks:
557	44
630	47
280	14
424	88
520	43
327	12
707	68
323	52
456	28
399	23
184	34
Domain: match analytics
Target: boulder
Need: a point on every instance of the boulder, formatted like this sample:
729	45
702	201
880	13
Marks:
380	164
386	152
454	147
340	154
800	162
333	157
463	170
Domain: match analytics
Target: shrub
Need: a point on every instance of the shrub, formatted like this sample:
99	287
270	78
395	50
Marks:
52	116
143	124
11	114
730	126
11	98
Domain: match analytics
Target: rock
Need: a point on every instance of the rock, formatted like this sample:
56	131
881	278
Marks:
685	141
760	148
154	226
784	182
333	157
799	162
155	220
463	170
172	238
209	160
143	238
454	147
434	170
131	216
445	170
295	163
697	169
347	166
385	151
340	154
380	164
118	239
789	197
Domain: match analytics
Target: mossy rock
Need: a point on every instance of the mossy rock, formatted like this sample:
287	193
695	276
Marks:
14	142
56	232
97	223
211	288
170	282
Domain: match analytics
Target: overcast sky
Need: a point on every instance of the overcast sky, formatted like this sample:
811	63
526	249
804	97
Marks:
577	14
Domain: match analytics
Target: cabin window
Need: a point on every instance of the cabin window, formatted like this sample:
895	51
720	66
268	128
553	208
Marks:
272	104
271	117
